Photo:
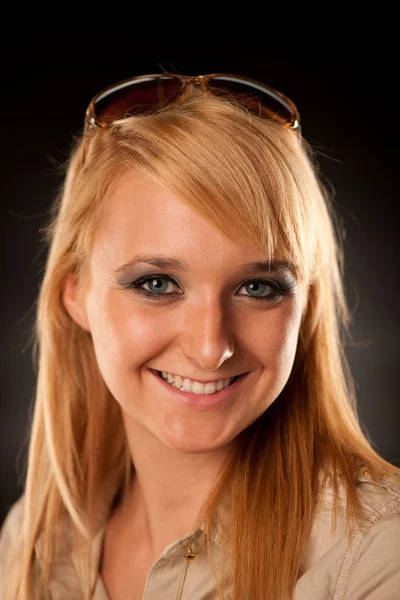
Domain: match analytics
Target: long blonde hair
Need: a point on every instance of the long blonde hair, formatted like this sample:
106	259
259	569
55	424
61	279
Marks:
255	181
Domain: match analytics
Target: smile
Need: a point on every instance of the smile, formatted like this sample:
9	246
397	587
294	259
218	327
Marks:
201	401
196	387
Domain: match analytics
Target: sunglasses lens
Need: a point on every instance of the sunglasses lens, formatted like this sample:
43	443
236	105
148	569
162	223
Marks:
256	99
135	98
148	93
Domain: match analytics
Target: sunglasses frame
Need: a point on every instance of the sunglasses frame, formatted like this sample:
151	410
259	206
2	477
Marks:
93	121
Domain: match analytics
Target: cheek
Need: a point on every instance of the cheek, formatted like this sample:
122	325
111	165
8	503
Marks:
275	334
276	343
286	348
123	334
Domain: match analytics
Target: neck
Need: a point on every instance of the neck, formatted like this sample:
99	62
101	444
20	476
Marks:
168	489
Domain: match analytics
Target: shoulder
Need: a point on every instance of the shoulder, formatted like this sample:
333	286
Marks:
373	561
9	533
365	564
12	524
378	498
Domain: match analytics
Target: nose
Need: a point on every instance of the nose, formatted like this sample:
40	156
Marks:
206	337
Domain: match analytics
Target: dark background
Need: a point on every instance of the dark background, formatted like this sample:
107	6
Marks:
349	114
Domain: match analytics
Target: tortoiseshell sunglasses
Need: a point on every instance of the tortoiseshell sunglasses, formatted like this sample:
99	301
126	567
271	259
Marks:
145	93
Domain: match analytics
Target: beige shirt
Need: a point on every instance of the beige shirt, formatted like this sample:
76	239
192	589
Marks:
366	568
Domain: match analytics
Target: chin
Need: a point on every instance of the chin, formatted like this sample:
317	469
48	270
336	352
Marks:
188	442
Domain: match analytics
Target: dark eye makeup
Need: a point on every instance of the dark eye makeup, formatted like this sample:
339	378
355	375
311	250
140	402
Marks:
279	289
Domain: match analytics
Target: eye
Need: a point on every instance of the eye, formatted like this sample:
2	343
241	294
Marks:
260	288
159	283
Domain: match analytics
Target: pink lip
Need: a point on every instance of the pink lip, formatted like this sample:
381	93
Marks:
201	400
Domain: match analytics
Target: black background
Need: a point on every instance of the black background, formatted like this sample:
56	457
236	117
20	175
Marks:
349	114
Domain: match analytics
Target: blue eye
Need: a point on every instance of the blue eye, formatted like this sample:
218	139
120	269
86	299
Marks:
260	285
160	283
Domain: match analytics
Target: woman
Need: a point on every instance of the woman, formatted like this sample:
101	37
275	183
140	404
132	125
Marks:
195	433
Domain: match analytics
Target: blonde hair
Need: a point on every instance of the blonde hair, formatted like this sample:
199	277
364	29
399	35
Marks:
255	181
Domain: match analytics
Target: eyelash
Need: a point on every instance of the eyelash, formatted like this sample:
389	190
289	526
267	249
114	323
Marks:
278	293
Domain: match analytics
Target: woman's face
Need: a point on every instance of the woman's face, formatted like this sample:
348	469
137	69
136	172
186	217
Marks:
211	327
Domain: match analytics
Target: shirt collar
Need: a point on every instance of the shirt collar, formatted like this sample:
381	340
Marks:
218	531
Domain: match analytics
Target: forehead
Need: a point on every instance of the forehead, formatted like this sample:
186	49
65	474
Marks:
143	217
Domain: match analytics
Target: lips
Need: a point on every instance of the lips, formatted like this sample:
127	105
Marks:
201	401
156	372
233	380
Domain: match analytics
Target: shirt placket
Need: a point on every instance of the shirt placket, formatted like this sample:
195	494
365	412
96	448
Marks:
182	549
189	557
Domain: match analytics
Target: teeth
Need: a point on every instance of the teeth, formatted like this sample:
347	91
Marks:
195	387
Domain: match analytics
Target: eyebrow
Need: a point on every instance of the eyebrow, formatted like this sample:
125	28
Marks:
181	265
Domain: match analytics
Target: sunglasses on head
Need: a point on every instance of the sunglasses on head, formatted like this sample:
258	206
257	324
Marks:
146	93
